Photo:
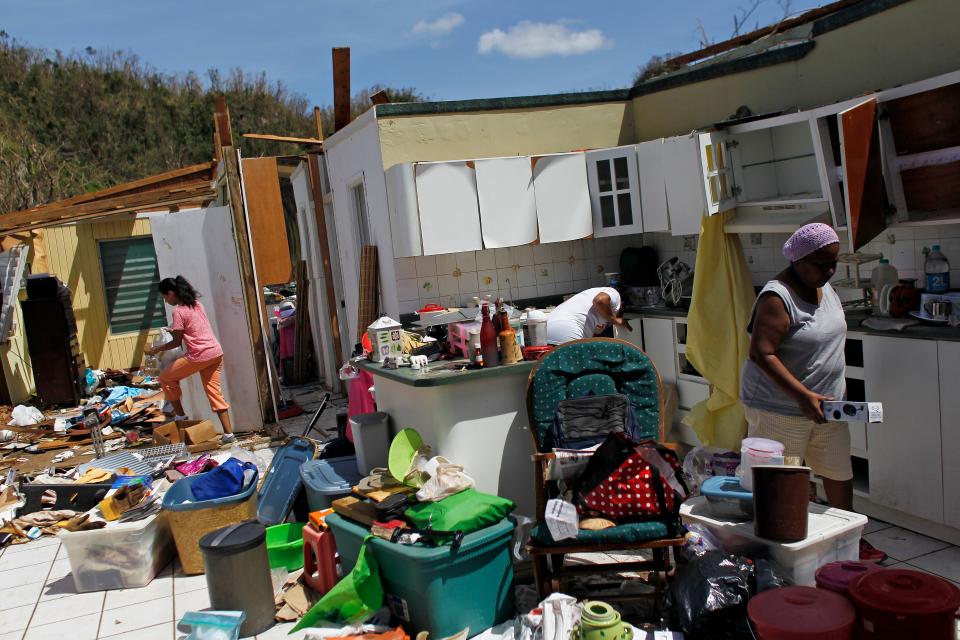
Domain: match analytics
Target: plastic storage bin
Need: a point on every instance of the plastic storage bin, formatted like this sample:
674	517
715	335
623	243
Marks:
119	556
282	482
832	534
726	498
436	590
371	437
191	519
327	480
285	545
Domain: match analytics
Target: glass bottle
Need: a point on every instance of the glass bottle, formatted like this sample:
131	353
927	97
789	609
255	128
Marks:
488	339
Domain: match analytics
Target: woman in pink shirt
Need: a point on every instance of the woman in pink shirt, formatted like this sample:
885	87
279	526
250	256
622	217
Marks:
191	327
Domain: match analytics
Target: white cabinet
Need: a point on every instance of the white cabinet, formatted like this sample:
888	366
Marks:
905	470
449	211
508	207
949	355
681	168
403	210
658	344
563	197
634	337
653	186
614	191
717	172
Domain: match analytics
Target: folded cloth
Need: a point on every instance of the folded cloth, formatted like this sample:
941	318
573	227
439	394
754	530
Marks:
889	324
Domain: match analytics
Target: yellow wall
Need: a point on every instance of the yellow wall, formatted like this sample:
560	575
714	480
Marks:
460	136
910	42
73	256
15	359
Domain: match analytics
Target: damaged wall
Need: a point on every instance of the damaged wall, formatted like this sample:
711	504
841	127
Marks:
73	256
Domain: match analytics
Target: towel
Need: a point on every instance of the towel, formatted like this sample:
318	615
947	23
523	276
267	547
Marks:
717	340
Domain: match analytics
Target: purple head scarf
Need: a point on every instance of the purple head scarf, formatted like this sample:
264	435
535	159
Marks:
807	239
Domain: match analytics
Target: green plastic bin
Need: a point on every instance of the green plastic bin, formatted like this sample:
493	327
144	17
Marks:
285	545
434	589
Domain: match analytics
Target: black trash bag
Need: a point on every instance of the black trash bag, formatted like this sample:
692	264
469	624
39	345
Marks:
768	575
708	596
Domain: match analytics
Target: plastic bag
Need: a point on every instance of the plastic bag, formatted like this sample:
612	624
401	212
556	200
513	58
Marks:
709	595
90	382
24	416
353	599
698	541
698	466
769	575
446	479
167	358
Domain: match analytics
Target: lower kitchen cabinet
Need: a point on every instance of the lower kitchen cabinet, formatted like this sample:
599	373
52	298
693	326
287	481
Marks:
634	337
905	449
658	338
949	353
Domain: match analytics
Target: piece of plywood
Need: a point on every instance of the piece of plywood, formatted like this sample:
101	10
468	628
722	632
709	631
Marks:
199	245
268	230
563	197
863	173
448	205
508	205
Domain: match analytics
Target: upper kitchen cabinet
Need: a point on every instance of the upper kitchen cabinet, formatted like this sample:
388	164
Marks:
653	186
863	188
920	138
508	207
563	197
717	173
404	214
449	208
682	174
614	191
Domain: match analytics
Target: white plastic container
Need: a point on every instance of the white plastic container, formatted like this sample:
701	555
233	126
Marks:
832	534
119	556
758	451
371	438
882	275
535	328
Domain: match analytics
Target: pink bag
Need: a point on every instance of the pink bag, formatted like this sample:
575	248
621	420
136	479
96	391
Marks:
193	467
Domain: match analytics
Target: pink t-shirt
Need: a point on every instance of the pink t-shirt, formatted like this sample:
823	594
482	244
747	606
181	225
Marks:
197	334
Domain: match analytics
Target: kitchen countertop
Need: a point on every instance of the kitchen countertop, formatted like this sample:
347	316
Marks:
443	372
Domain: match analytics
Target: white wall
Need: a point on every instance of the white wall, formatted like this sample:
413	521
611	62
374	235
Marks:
353	155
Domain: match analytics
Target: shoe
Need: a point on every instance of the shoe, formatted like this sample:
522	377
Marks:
228	438
869	553
179	418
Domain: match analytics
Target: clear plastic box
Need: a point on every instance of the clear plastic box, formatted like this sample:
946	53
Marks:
119	556
832	534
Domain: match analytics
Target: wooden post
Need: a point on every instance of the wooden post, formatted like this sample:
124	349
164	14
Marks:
318	122
250	292
330	292
341	87
222	122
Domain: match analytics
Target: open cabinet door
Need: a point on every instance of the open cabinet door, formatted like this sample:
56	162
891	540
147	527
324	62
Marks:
863	173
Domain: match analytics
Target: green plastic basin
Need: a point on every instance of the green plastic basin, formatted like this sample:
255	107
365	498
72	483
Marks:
285	546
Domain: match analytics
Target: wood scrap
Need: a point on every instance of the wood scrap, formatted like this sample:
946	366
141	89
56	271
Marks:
369	281
356	510
301	328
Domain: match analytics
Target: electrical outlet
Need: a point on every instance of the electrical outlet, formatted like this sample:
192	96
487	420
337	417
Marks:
756	239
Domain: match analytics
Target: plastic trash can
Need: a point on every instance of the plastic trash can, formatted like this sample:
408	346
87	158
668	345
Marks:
371	437
235	556
327	480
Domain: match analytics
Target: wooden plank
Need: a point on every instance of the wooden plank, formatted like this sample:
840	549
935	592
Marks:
925	121
221	115
932	188
268	231
380	97
300	346
367	312
863	172
341	87
274	138
251	293
313	162
318	122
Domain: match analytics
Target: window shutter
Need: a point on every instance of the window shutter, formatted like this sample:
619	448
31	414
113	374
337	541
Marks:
130	281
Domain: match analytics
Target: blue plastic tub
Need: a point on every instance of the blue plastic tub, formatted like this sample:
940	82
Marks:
282	482
327	480
435	589
727	499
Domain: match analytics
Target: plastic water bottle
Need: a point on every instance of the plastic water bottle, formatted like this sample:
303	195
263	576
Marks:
937	269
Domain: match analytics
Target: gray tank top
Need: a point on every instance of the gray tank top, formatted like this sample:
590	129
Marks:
812	351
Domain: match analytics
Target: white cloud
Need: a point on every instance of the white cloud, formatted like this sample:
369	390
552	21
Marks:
539	39
439	27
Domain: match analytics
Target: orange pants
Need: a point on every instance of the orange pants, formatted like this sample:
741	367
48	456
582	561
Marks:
209	371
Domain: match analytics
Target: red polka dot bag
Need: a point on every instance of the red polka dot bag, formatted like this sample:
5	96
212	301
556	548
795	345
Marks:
629	482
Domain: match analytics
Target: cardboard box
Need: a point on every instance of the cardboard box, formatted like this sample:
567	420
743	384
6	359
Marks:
849	411
191	432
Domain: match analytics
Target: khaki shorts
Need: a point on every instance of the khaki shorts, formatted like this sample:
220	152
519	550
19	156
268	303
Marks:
825	448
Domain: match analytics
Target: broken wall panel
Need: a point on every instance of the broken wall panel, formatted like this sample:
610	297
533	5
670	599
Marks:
268	233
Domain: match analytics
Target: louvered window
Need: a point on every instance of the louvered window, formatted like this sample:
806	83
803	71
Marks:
130	281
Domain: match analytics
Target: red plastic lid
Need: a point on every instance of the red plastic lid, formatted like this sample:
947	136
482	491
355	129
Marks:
433	306
800	613
837	576
904	592
535	353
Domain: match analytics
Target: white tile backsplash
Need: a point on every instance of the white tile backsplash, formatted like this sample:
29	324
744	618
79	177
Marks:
407	290
486	260
502	258
522	256
448	285
426	266
527	277
542	254
405	268
544	274
446	264
560	251
562	271
468	282
488	280
467	261
427	287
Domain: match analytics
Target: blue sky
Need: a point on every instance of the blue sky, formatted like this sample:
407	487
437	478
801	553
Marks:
447	49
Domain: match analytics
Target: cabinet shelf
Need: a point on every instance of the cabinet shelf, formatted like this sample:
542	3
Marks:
786	221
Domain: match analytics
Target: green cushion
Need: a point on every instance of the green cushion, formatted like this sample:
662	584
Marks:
600	367
626	533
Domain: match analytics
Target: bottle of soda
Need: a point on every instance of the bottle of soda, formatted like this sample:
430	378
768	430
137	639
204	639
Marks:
937	269
488	339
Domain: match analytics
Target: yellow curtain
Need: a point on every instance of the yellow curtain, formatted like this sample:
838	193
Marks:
717	341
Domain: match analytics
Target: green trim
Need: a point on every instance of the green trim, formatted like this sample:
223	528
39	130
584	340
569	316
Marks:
498	104
853	14
439	373
769	58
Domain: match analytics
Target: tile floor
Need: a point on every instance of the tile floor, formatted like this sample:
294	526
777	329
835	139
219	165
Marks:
39	599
